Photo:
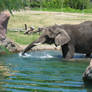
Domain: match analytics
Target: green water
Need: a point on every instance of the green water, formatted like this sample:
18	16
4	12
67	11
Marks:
42	71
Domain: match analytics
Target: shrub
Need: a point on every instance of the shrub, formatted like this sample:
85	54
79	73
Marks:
76	4
11	4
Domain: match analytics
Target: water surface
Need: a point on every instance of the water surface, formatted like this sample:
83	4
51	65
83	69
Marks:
41	71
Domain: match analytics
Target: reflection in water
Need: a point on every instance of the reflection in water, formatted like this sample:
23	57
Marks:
4	73
44	72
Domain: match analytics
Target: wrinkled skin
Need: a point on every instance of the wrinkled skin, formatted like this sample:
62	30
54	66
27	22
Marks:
72	38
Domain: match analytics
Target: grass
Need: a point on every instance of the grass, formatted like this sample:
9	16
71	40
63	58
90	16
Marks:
22	39
67	9
39	18
3	50
42	19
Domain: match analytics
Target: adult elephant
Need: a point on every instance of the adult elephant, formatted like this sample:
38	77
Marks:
72	38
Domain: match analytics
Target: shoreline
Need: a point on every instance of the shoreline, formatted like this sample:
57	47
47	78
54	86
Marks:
53	47
42	47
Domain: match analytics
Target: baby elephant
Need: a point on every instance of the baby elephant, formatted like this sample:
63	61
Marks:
72	38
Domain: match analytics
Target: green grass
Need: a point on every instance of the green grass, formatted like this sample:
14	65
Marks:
22	39
3	50
68	9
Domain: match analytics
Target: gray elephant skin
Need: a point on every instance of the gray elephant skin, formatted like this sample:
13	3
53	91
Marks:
72	38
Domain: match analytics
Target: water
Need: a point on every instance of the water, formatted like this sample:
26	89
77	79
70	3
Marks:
41	71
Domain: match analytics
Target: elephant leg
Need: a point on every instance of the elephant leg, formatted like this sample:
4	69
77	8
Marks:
65	49
88	55
68	51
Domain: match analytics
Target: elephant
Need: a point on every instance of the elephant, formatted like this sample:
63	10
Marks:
72	38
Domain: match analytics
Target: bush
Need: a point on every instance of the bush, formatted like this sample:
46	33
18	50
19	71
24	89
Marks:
78	4
34	3
11	4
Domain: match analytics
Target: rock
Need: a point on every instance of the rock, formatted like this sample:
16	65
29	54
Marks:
4	41
10	45
87	76
4	17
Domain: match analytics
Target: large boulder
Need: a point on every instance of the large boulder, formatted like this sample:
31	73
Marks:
4	17
87	76
4	41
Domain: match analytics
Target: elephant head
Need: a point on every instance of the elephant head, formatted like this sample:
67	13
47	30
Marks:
51	35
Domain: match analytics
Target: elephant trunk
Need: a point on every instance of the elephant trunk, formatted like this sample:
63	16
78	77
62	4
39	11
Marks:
29	47
35	43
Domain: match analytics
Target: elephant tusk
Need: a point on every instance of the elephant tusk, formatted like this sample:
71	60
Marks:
37	43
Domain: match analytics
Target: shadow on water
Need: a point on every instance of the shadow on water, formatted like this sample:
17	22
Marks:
42	71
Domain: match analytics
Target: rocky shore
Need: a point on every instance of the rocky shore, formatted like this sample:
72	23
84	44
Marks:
87	75
10	45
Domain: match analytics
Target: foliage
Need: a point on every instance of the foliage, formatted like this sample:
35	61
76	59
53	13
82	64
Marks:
12	4
18	4
34	3
76	4
79	4
4	50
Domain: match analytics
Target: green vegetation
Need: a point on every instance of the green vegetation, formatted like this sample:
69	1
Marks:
22	39
78	4
3	50
71	10
48	5
61	5
12	4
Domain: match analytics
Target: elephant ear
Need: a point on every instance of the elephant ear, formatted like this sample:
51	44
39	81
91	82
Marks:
62	38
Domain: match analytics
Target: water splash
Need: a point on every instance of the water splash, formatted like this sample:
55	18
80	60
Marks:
25	55
36	55
46	56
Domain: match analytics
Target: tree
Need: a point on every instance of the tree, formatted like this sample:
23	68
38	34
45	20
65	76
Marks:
79	4
12	4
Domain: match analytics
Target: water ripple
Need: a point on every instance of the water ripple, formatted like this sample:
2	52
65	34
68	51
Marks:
43	72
